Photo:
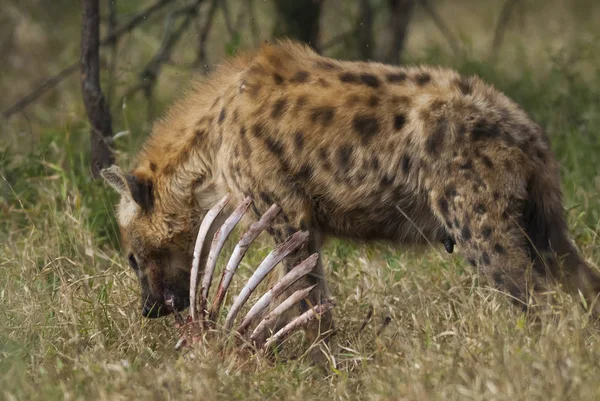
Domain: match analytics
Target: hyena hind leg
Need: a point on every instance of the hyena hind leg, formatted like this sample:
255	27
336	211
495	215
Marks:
490	239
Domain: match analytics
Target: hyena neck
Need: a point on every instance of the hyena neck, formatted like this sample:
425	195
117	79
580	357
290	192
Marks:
193	187
183	151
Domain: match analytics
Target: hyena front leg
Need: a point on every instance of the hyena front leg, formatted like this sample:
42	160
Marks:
295	216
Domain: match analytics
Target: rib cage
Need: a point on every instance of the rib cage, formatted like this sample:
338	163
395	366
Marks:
200	319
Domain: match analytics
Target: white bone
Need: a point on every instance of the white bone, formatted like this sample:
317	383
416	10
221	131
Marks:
300	321
291	244
237	256
276	313
217	245
301	270
202	232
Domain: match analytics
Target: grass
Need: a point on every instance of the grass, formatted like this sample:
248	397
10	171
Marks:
70	325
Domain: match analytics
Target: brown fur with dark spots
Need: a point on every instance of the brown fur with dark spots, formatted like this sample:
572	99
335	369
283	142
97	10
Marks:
381	153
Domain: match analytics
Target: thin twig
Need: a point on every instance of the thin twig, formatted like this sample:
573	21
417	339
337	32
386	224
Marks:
40	90
366	320
96	107
136	20
253	23
364	29
227	17
52	81
201	57
112	25
501	26
150	73
437	20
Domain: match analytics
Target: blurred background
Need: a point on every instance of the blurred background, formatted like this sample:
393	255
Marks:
170	41
69	308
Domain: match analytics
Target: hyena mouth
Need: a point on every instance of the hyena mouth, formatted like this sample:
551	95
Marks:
170	304
175	303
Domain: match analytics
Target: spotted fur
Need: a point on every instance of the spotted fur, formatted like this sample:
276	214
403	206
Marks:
410	155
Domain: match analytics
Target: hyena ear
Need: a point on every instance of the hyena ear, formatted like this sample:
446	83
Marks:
115	177
141	191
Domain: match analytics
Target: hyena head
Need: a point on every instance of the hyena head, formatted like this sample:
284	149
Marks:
158	243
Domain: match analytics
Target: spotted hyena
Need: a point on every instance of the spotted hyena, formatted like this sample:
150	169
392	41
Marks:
361	150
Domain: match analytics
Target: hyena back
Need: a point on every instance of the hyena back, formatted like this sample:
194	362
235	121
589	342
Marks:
363	150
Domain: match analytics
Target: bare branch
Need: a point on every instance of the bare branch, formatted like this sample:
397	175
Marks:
439	22
96	107
201	56
150	73
501	26
40	90
135	21
112	68
51	82
227	17
365	30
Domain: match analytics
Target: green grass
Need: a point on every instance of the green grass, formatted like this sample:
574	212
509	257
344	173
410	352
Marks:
69	306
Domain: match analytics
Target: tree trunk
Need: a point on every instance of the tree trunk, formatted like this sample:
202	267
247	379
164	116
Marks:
96	107
400	15
298	19
365	30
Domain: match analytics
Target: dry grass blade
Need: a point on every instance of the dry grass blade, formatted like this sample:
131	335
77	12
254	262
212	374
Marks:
291	244
300	321
299	271
217	245
237	256
202	232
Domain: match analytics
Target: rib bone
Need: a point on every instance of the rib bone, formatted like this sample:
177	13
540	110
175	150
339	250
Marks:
301	270
300	321
283	307
202	232
217	245
291	244
237	256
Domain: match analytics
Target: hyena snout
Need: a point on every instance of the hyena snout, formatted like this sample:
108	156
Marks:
164	298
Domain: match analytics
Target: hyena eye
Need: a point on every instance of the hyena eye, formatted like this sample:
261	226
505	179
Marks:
132	262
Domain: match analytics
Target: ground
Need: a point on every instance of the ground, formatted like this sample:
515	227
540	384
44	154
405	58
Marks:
70	326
